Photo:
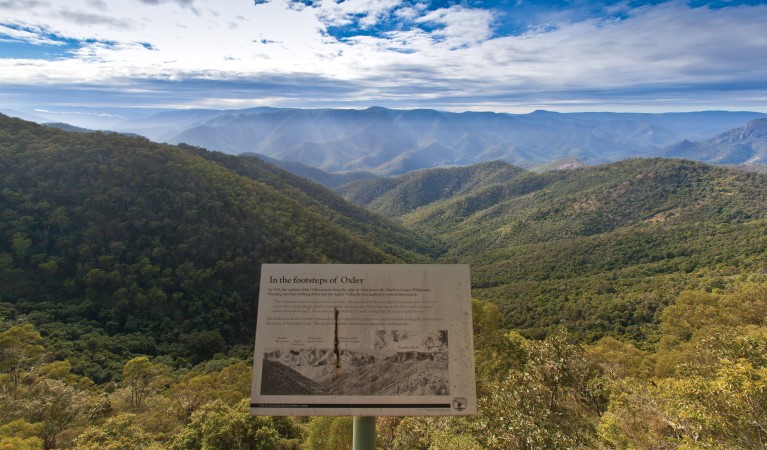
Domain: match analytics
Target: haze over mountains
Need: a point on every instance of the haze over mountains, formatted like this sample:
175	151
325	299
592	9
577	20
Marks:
379	141
387	142
744	145
336	146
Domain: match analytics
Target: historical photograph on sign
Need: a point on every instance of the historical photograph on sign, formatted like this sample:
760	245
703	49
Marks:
364	340
383	370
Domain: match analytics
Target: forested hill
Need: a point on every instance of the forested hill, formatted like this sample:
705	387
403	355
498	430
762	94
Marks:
384	234
113	234
405	193
599	249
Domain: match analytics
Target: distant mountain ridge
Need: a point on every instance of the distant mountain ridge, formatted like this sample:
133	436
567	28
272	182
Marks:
744	145
389	142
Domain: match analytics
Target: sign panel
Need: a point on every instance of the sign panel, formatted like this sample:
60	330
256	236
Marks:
364	340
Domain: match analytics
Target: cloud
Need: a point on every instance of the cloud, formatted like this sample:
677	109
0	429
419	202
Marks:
100	5
366	13
87	19
383	52
34	36
16	5
410	12
184	3
79	113
460	26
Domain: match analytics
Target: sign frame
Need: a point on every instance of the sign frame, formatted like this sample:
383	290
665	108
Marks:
364	340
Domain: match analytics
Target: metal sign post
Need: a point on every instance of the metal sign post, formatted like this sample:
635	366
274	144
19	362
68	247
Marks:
364	433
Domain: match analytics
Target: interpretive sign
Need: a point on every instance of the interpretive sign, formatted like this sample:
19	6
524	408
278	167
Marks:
364	340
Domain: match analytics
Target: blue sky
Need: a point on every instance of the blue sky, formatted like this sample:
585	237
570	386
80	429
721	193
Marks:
503	55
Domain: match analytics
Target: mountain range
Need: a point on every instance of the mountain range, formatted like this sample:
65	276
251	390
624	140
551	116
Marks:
103	231
333	146
386	142
743	145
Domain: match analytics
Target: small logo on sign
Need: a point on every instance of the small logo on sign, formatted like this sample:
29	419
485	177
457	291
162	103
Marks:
459	403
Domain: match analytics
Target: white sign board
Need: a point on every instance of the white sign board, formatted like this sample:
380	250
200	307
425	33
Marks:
364	340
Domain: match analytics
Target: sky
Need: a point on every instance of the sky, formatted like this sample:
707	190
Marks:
101	56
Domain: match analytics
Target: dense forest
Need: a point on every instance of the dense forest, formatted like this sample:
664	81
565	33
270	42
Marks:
617	306
600	250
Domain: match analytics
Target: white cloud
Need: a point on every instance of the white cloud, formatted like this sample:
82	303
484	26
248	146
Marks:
411	12
33	36
344	13
462	26
181	38
668	48
669	44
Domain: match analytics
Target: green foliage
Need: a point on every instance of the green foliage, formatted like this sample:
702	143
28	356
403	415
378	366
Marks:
117	433
384	234
206	407
141	376
601	250
203	345
56	405
329	433
620	359
634	419
551	401
21	349
217	426
725	409
703	387
532	394
702	329
193	390
433	433
15	443
710	378
496	353
21	435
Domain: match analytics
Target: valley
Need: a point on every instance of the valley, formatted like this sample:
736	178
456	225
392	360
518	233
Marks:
619	237
129	277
